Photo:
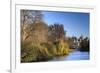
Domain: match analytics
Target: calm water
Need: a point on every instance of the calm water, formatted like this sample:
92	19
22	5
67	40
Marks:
75	55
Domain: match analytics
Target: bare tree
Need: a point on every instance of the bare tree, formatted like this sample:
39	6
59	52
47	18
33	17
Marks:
29	17
56	32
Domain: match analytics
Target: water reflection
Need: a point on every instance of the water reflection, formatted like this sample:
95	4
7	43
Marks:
75	55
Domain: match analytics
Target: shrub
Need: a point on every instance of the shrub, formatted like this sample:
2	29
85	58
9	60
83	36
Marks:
32	53
51	48
61	48
42	52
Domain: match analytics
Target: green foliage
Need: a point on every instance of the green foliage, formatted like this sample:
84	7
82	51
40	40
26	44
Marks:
50	47
30	52
42	52
27	52
62	48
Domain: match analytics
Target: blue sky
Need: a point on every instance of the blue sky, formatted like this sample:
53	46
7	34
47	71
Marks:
75	23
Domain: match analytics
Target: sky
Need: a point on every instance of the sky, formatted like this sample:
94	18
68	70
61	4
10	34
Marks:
75	23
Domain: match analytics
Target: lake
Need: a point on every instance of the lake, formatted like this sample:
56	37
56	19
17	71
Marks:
75	55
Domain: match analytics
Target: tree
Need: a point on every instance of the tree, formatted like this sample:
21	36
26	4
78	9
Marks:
80	38
84	44
33	33
56	32
29	17
39	33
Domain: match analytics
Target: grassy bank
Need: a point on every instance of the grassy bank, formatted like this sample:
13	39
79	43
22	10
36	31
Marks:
42	52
